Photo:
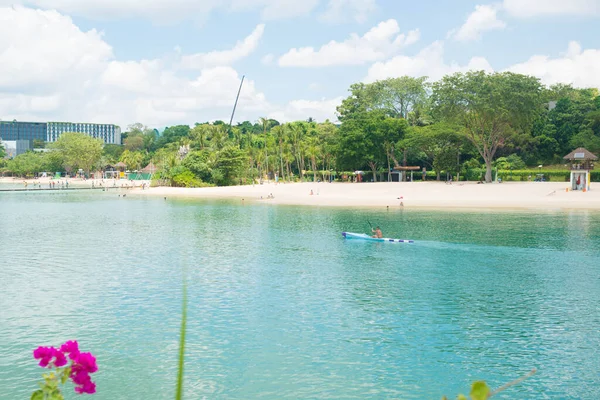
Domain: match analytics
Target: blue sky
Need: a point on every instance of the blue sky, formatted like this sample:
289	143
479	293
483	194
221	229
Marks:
129	61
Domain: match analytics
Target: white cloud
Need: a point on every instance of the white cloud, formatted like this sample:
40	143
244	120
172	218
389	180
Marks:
428	62
481	20
378	43
241	49
37	47
319	110
166	11
267	59
51	70
578	67
343	10
532	8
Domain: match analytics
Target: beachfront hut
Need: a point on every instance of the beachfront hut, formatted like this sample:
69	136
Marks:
403	171
120	168
581	164
145	173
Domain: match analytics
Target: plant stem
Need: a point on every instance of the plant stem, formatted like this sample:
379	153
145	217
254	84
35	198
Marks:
515	382
179	394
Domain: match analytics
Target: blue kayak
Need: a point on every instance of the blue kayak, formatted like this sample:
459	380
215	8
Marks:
362	236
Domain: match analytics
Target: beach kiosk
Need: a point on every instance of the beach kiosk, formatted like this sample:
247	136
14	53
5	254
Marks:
581	164
121	167
403	172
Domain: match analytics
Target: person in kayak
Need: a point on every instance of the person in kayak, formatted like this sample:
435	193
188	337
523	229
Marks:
377	233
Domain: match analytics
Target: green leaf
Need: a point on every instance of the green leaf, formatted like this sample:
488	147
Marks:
65	375
462	397
179	393
37	395
480	391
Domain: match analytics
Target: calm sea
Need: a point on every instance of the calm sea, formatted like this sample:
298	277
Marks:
281	306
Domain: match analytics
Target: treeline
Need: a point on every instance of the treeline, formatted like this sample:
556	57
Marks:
463	122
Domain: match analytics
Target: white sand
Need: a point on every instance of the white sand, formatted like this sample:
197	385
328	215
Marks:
509	195
73	182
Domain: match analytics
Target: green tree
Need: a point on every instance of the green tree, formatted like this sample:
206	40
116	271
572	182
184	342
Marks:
200	163
26	164
133	159
440	142
112	152
490	107
134	143
399	96
229	165
2	150
79	150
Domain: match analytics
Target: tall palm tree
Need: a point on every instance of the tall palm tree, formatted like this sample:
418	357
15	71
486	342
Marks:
313	151
266	124
279	134
296	134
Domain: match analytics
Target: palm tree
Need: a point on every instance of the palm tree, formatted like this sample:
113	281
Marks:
133	159
279	133
199	135
266	124
313	151
295	135
218	136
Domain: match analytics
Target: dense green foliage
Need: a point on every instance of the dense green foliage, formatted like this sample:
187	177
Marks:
458	126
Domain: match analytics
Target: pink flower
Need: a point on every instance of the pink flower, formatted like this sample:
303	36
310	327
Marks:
72	348
86	362
61	360
88	387
83	382
46	354
80	377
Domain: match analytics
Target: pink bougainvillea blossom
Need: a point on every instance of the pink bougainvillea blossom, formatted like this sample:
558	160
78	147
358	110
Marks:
46	354
72	348
82	364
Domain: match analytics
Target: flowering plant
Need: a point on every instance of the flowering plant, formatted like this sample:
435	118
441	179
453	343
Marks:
67	362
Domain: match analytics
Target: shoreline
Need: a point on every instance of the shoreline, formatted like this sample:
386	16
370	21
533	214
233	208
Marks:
463	196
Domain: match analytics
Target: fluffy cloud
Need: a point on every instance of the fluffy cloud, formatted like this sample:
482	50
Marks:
342	10
532	8
320	110
51	70
242	49
481	20
40	47
577	66
428	62
378	43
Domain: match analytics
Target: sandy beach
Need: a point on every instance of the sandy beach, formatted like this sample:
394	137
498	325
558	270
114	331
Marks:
508	195
73	182
464	195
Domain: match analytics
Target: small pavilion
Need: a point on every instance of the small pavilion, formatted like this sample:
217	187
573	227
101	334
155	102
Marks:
403	171
581	164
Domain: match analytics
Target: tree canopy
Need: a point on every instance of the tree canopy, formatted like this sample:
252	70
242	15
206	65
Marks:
79	150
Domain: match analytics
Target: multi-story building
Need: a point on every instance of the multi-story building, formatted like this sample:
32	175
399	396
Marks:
13	130
51	131
110	134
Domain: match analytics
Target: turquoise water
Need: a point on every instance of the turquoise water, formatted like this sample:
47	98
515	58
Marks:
280	306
